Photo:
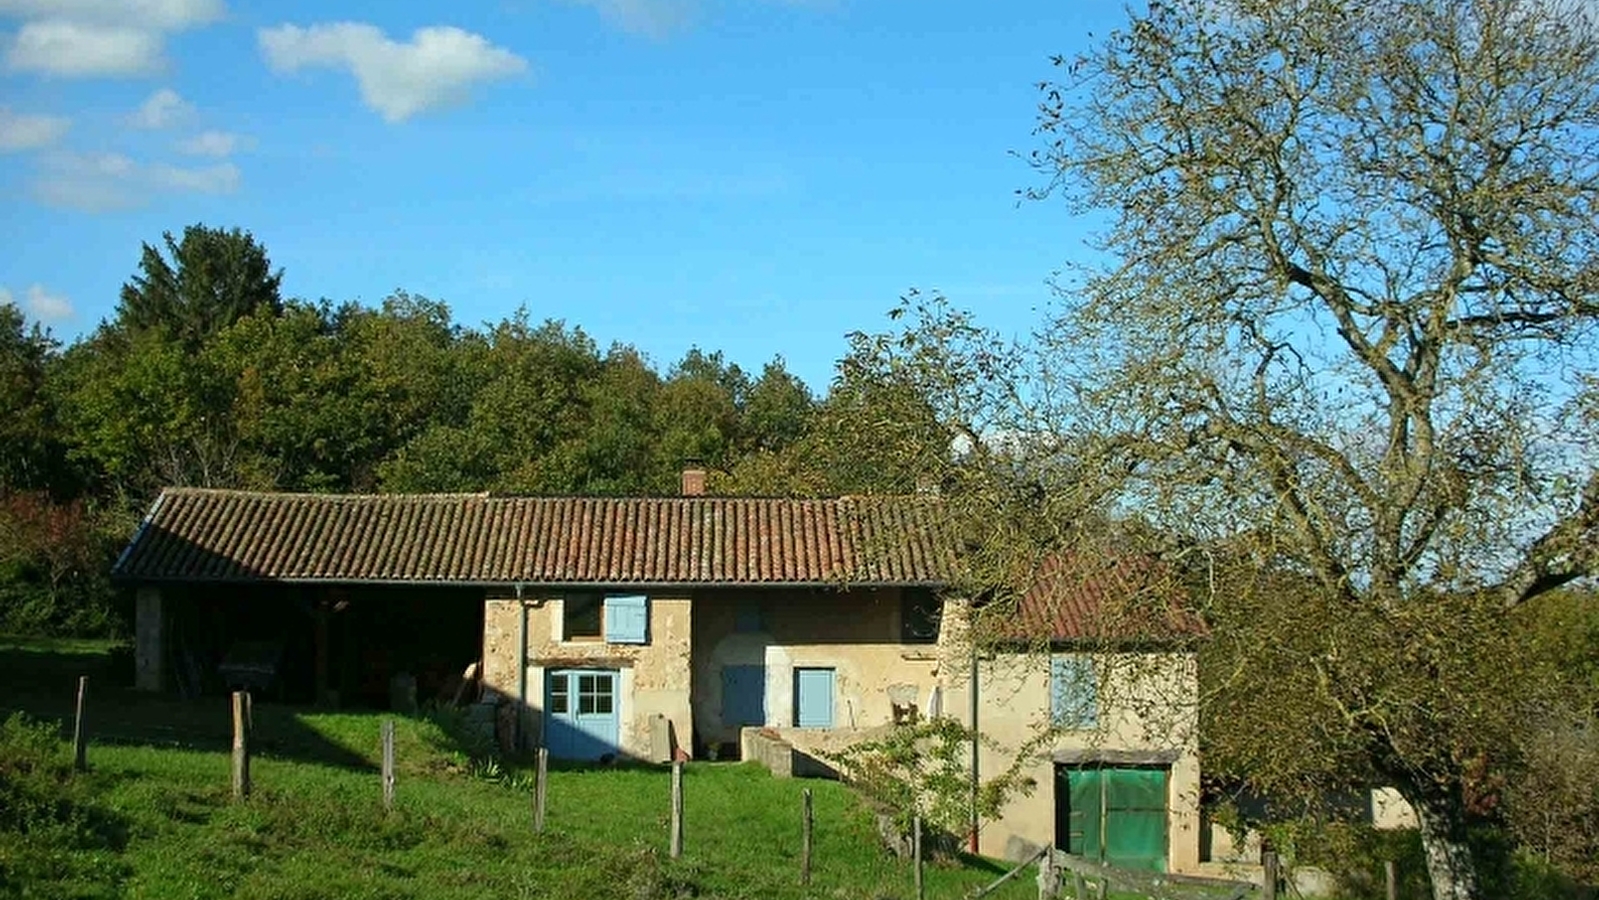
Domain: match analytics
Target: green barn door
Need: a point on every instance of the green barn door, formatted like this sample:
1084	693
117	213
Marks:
1114	816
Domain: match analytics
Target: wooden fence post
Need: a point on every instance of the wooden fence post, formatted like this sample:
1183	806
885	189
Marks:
805	838
541	775
1268	865
677	810
388	765
1392	877
241	744
916	855
80	760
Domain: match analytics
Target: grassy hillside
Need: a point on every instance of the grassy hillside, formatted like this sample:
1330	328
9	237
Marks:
154	817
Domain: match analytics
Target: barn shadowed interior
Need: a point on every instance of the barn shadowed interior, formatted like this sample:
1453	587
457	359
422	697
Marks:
341	644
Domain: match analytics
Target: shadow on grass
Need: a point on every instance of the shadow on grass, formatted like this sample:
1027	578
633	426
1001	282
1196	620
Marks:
40	678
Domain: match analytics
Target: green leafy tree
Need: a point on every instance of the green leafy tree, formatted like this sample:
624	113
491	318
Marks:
530	398
213	278
414	369
1341	331
296	398
30	454
699	414
139	412
777	410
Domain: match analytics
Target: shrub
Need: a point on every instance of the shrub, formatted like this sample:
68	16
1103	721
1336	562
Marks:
53	840
924	769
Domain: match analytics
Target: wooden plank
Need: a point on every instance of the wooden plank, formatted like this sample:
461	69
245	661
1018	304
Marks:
1150	883
80	760
388	765
992	886
806	822
677	810
541	775
1268	863
916	855
241	746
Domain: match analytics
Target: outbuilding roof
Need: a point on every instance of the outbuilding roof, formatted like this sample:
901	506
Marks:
215	536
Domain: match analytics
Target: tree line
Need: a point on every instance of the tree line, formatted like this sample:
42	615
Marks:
206	376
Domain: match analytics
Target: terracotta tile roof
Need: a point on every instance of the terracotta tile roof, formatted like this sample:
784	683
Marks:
239	536
1082	597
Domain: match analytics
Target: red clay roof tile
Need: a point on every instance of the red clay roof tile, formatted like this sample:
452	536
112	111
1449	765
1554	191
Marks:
234	536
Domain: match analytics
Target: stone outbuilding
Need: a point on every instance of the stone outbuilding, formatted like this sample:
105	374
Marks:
657	627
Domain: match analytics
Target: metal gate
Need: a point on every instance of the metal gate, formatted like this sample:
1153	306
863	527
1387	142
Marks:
1115	816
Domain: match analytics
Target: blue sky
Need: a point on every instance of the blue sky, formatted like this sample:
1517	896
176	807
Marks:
753	176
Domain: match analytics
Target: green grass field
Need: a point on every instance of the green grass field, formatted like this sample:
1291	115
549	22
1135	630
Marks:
154	816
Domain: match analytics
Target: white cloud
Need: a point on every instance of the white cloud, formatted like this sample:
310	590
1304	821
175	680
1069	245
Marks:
92	38
222	178
162	109
661	18
81	50
22	131
435	69
214	143
100	182
40	303
655	18
161	15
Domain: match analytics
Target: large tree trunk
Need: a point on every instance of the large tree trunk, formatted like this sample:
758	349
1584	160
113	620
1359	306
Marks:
1450	863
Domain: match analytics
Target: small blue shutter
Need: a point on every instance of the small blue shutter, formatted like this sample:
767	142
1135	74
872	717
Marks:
627	619
743	695
1073	692
813	698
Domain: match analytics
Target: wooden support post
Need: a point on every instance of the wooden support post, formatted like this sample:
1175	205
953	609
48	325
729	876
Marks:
388	765
541	776
805	837
1392	877
677	810
916	855
241	745
80	760
1048	877
1269	873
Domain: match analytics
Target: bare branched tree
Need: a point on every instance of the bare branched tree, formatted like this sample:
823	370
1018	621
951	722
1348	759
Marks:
1342	334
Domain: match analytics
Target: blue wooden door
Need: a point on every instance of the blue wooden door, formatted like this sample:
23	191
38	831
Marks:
581	713
813	698
743	696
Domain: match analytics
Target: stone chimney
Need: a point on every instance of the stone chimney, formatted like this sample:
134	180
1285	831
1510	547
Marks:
693	480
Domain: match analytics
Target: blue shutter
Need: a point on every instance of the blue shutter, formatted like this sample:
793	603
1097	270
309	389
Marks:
1073	692
627	619
743	695
813	698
